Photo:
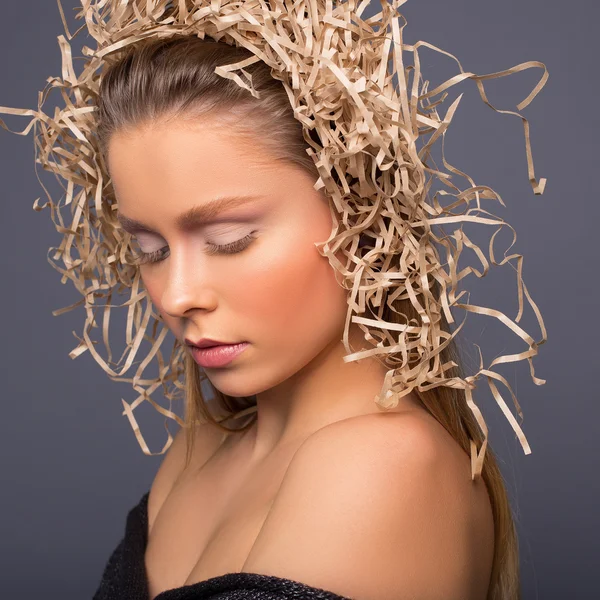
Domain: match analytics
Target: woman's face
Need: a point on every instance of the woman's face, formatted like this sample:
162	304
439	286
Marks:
277	292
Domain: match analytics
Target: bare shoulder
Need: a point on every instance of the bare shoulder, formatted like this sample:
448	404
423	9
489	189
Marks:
380	506
415	437
207	438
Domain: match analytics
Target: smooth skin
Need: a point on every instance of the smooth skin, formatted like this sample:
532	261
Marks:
372	505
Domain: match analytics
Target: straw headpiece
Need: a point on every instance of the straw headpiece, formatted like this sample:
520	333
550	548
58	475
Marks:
376	135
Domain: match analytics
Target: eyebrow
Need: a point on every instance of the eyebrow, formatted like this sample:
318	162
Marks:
197	215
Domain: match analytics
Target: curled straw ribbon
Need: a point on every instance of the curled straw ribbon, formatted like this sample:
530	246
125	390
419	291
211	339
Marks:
335	68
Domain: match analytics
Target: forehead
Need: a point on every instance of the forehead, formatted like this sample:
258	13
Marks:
175	154
161	171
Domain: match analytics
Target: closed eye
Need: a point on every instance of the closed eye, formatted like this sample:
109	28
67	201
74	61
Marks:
231	248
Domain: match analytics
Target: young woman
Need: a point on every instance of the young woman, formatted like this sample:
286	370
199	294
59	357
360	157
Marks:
224	233
324	477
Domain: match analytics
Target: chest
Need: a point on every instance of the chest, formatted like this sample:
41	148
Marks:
209	522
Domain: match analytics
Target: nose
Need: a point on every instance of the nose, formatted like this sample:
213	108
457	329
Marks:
186	287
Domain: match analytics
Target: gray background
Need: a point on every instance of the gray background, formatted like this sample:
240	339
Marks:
71	466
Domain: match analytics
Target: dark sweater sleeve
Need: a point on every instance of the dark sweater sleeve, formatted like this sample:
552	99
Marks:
248	586
124	576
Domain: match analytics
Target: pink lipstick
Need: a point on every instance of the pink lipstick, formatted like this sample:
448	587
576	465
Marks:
218	355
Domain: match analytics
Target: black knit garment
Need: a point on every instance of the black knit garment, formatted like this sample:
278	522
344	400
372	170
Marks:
124	576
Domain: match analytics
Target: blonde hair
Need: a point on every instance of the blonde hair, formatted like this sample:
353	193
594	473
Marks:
177	78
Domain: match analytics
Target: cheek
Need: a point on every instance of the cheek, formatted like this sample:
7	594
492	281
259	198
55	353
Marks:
292	297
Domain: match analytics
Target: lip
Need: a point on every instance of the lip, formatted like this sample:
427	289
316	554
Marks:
207	342
218	356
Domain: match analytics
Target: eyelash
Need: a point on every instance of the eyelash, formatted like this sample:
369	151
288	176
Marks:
231	248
